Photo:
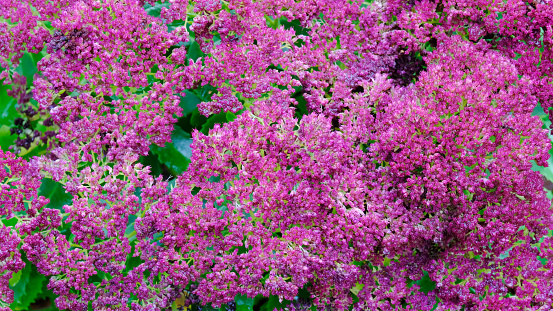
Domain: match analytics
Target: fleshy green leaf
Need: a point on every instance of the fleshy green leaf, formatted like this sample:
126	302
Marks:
243	303
7	104
27	68
152	161
189	102
194	52
547	172
174	24
426	284
47	297
15	278
9	222
132	262
212	120
28	287
505	254
230	116
155	10
56	193
358	287
175	155
197	119
20	286
296	25
274	303
301	107
6	139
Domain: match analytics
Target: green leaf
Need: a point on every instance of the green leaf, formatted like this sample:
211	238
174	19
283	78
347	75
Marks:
20	286
296	24
274	303
212	120
426	284
9	222
243	303
194	52
36	149
209	307
152	161
7	104
54	191
47	298
6	139
15	278
174	24
205	92
301	107
357	288
505	254
155	10
547	172
132	262
189	102
197	119
182	141
27	68
230	116
520	197
28	287
130	226
175	155
40	55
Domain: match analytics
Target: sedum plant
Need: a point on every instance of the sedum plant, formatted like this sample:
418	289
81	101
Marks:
376	155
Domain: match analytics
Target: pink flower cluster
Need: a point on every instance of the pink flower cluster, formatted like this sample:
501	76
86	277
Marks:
18	192
412	158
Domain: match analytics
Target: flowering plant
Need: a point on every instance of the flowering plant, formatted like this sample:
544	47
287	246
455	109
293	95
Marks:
346	154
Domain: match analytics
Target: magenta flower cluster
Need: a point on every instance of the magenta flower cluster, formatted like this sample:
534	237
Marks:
413	157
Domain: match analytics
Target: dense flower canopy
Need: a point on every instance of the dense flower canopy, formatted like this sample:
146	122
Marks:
366	146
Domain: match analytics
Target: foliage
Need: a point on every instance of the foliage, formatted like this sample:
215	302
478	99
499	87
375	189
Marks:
261	155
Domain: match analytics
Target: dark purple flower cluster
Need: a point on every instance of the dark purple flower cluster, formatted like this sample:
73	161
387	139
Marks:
30	116
413	159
